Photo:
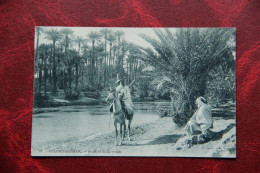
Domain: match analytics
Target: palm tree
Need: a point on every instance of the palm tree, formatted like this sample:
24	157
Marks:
54	35
134	54
184	59
111	38
40	65
85	61
118	35
47	54
67	33
100	55
79	41
105	32
94	36
38	31
124	46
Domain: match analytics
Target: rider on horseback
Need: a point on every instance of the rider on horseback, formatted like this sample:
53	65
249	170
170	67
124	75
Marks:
121	108
124	95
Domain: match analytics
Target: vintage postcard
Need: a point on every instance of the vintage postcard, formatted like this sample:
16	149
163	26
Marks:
160	92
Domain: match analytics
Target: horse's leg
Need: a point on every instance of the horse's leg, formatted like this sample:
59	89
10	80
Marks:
124	131
129	129
115	124
121	135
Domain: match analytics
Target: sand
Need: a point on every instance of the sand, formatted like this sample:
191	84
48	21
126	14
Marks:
161	138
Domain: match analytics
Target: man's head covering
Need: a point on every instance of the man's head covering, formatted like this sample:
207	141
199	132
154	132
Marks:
118	79
201	100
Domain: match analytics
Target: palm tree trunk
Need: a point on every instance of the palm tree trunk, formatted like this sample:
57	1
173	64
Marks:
77	67
40	78
69	78
45	71
77	75
93	62
109	61
37	49
54	78
131	71
82	76
50	79
104	66
64	79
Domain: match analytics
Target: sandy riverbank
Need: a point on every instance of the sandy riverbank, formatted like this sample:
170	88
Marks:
152	139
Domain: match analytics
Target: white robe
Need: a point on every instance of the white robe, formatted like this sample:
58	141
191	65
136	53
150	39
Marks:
201	120
204	117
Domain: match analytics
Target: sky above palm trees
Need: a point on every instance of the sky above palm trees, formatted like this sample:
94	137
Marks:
131	34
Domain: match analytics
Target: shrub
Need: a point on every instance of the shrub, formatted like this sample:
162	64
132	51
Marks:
163	111
180	119
74	95
40	100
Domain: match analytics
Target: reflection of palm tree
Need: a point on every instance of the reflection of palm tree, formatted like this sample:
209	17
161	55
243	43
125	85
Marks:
94	36
53	35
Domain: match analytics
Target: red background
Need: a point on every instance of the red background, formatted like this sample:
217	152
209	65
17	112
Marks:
17	22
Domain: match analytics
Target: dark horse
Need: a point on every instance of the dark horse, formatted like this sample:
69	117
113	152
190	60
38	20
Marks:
119	117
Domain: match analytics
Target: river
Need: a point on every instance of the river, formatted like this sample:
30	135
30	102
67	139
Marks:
66	122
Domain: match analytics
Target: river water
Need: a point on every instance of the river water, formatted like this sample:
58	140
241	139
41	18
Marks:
63	123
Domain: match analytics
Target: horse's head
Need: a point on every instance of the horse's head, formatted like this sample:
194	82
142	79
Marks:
111	96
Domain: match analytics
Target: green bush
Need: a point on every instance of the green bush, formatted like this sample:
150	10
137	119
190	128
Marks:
164	94
74	95
221	88
90	88
180	119
40	100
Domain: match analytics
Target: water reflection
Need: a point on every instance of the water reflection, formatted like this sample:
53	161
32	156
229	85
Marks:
77	121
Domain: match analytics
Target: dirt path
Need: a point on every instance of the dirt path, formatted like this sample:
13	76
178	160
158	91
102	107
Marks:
153	139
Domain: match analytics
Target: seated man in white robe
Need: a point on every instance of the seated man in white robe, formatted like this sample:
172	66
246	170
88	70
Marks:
201	120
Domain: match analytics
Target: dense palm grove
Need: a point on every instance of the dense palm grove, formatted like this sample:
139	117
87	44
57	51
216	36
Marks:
193	63
180	65
71	64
